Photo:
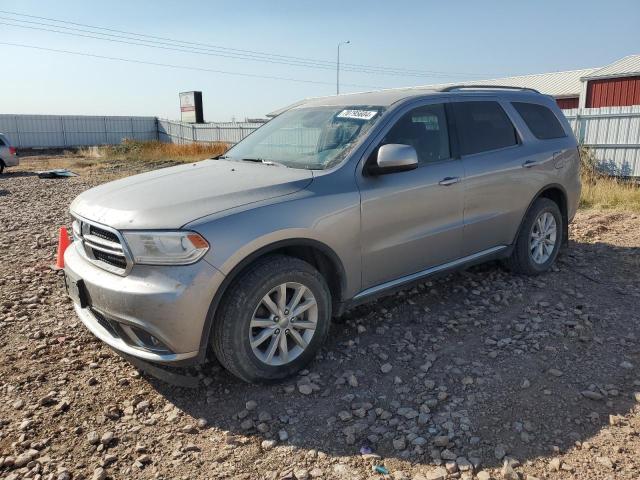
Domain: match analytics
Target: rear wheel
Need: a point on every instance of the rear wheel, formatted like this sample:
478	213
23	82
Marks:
273	319
1	166
539	240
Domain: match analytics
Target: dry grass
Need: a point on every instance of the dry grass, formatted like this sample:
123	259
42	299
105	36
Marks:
605	192
156	151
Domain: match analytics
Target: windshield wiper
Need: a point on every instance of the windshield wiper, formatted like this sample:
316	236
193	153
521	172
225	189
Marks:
263	161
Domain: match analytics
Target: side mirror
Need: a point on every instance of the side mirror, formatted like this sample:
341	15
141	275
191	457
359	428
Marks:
395	157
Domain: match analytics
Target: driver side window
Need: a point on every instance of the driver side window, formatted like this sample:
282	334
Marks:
425	129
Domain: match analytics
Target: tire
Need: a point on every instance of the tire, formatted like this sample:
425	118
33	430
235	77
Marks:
1	167
523	259
245	302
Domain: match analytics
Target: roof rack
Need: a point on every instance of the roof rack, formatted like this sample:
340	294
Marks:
490	87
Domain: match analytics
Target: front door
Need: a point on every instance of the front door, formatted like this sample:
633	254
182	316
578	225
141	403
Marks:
413	220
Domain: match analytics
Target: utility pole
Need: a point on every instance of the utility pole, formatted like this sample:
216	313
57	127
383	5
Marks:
338	67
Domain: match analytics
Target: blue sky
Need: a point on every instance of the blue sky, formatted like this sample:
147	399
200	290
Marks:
464	40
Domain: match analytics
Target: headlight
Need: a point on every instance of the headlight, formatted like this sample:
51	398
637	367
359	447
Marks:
166	248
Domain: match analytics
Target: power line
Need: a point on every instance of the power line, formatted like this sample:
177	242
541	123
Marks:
138	43
251	54
130	41
185	67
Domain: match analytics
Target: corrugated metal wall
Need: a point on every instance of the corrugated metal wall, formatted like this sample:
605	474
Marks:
613	92
613	134
178	132
26	131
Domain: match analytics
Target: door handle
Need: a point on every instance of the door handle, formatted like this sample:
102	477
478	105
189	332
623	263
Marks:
449	181
531	163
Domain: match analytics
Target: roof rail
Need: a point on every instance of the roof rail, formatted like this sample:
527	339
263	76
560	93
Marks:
490	87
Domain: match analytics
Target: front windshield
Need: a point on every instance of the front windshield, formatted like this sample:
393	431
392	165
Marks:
312	137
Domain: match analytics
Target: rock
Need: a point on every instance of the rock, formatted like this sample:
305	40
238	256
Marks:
555	464
451	467
555	372
251	405
24	458
399	443
283	435
301	474
591	395
508	472
605	461
268	444
500	451
344	415
484	475
441	441
316	473
305	389
439	473
99	474
386	368
447	454
107	438
626	365
189	429
93	438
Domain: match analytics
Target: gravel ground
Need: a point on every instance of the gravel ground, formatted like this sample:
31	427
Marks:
481	374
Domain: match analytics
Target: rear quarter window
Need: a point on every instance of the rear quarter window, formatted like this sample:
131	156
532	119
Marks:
541	120
2	142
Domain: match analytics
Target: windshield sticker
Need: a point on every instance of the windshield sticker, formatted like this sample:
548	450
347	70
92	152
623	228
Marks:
358	114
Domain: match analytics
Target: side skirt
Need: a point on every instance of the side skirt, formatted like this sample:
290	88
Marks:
402	283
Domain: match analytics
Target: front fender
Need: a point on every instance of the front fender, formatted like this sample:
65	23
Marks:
331	222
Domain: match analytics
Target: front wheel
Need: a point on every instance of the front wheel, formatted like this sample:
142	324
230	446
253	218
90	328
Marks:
273	319
539	240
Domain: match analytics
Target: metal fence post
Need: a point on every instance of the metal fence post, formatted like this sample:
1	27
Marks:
106	136
64	135
15	119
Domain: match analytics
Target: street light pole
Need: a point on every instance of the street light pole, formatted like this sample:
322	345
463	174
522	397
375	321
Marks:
338	67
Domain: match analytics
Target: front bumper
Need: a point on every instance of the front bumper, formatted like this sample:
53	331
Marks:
169	303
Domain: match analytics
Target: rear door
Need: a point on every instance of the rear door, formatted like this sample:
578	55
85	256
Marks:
412	220
496	185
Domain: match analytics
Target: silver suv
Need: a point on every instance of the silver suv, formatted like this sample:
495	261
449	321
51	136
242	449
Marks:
8	154
333	202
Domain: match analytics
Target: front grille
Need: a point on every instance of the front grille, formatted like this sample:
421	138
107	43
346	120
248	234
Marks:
110	258
104	234
101	245
106	324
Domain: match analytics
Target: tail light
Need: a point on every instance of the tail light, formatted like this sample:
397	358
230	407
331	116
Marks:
12	150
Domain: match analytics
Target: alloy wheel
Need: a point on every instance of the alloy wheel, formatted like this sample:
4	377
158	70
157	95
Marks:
283	324
542	241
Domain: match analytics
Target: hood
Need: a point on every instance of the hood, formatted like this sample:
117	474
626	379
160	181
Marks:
171	197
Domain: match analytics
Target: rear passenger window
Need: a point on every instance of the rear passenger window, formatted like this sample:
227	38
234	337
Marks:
541	121
2	144
483	126
425	129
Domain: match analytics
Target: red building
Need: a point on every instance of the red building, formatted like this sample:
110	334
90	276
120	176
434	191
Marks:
616	85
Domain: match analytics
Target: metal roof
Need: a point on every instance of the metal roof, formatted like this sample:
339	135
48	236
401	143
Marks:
557	84
625	67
